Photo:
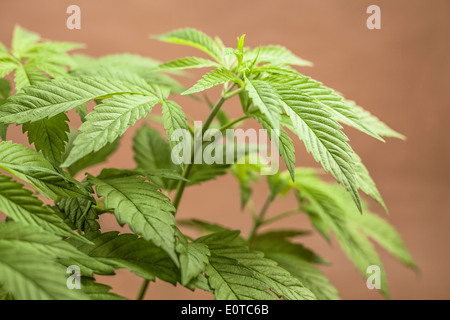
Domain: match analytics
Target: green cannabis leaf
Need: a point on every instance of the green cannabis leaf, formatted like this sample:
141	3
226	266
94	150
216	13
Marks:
194	38
139	204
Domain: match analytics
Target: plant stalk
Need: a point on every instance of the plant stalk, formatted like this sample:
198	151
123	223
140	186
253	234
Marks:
143	290
258	222
280	216
232	123
187	170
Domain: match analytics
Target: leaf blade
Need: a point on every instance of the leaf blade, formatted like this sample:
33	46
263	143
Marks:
140	205
107	123
212	79
196	39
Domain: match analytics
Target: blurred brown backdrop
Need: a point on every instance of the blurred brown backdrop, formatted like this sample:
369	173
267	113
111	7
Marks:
400	73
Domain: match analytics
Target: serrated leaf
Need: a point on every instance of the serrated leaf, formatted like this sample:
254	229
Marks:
32	167
54	47
188	63
326	97
174	118
193	258
280	281
300	268
92	158
82	112
45	100
51	57
266	99
202	226
322	137
28	275
131	252
32	237
212	79
374	227
153	153
366	183
3	50
277	242
221	237
52	69
121	74
363	254
132	62
23	40
373	123
7	65
235	272
98	291
194	38
26	76
385	235
275	54
49	136
140	205
50	245
19	204
328	205
80	213
281	140
5	89
32	56
232	281
322	211
144	67
108	122
200	282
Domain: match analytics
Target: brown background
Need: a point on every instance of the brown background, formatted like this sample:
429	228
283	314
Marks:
400	73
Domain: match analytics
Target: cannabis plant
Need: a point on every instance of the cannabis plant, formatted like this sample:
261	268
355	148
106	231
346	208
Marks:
51	242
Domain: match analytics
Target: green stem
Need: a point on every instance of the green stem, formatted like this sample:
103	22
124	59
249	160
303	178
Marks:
258	221
101	210
280	216
188	168
232	123
143	290
213	114
191	130
232	94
